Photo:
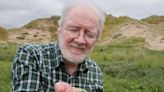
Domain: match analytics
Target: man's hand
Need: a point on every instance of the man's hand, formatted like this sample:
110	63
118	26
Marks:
65	87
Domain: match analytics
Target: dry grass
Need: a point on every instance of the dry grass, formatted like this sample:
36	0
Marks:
3	34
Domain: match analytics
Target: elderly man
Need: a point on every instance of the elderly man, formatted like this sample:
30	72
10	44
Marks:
63	66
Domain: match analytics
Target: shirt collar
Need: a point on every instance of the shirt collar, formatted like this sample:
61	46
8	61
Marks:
84	65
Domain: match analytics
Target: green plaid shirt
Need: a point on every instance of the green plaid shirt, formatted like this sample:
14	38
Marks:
37	67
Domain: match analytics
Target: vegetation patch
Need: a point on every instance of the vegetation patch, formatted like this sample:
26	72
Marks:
3	34
21	37
127	42
130	69
154	19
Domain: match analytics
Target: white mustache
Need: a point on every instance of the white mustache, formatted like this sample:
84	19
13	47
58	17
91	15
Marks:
78	46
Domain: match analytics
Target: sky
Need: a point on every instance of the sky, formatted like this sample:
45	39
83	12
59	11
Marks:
16	13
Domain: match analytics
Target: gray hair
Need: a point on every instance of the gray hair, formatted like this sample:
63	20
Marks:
100	13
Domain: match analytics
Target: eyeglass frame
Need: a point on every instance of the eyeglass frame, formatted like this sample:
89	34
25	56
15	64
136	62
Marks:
71	30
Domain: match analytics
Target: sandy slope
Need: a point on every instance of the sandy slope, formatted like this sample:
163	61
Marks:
30	36
44	31
154	38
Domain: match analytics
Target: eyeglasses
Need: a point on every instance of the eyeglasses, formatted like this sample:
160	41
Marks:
90	34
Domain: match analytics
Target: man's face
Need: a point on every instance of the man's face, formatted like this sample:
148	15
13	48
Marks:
78	34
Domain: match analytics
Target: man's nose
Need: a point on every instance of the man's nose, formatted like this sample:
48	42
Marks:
80	38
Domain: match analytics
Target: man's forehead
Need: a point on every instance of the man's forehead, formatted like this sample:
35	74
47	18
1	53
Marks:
81	23
75	25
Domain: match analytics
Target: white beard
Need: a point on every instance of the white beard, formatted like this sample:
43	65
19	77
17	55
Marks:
68	56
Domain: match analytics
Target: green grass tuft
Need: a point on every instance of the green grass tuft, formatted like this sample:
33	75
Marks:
5	81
